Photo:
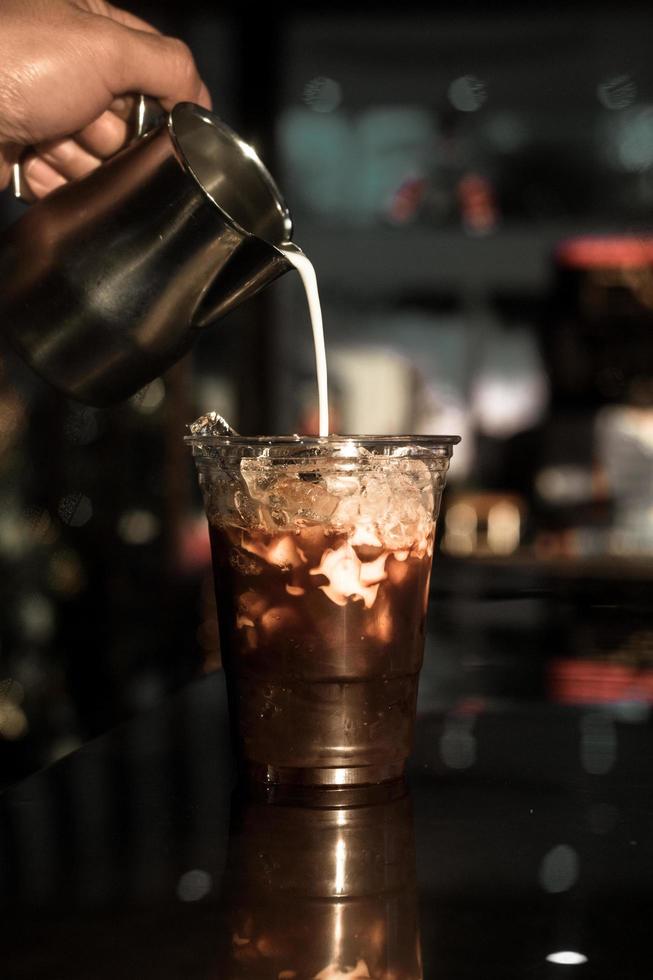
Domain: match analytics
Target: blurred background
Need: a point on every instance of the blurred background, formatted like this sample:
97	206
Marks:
475	189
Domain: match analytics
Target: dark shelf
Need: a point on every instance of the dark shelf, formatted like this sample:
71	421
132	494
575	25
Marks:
382	259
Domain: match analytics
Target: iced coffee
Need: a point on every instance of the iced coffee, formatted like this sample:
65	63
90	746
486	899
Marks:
322	552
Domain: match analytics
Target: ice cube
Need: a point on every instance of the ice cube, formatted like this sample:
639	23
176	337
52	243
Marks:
289	492
211	424
247	509
415	470
316	503
341	482
407	523
399	536
259	476
349	450
393	503
347	513
376	495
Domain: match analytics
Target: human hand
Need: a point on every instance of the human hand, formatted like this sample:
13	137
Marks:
67	70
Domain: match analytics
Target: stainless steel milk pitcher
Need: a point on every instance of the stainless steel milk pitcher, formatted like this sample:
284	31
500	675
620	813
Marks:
106	282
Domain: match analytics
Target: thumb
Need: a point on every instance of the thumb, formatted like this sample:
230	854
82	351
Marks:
151	64
128	19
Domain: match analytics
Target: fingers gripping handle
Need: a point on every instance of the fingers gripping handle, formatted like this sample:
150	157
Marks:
146	115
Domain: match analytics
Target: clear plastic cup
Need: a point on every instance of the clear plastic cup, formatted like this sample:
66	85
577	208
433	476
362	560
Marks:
322	551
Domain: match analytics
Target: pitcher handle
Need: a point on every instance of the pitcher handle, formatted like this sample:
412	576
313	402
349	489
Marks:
146	115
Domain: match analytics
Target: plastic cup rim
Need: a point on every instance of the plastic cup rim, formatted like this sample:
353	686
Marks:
419	441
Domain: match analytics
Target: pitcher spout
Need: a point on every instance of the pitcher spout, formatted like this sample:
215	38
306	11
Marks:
251	267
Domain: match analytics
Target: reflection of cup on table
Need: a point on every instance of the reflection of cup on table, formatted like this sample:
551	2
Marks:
322	552
326	890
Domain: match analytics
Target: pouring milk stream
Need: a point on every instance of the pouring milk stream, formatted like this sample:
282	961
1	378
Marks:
309	281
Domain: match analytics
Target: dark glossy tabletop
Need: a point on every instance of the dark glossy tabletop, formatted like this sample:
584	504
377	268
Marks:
523	846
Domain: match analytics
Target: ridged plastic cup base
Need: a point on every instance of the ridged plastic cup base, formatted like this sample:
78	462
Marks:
329	797
324	776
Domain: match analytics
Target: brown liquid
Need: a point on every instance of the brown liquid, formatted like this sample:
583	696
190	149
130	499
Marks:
319	692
